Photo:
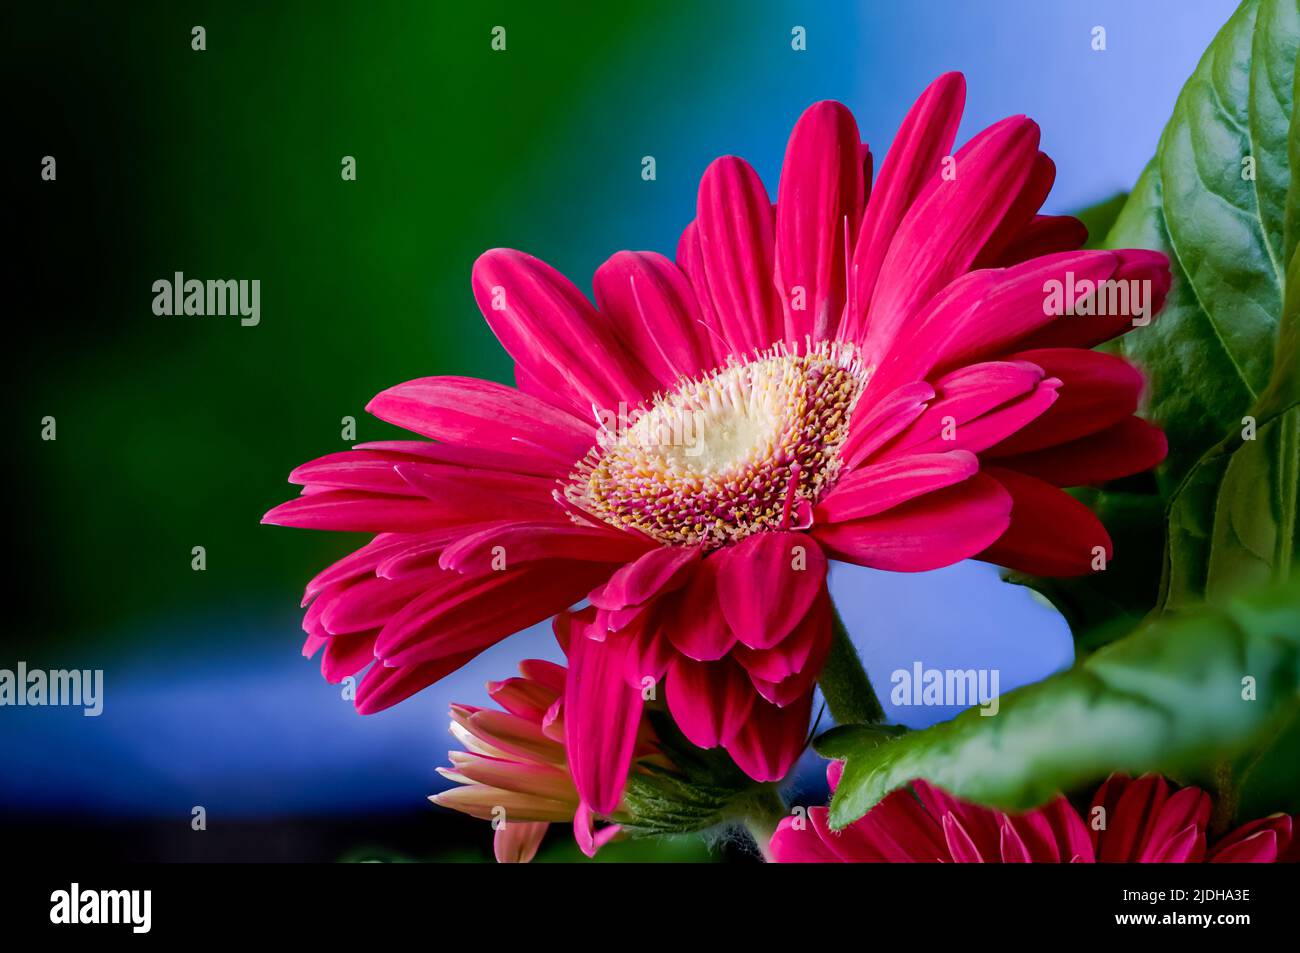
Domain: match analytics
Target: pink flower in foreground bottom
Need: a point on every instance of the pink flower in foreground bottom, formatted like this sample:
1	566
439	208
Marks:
514	771
874	372
1139	821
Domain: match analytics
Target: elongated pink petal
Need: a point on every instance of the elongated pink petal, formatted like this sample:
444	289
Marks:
659	570
876	423
1097	390
466	613
357	511
383	687
519	459
516	842
924	138
801	844
367	603
947	226
1050	534
355	470
735	231
590	840
690	259
474	413
981	314
552	331
818	203
1022	211
1128	447
709	701
651	303
771	739
601	719
1262	841
1141	278
802	652
695	623
502	546
346	655
1044	235
478	496
931	532
965	398
767	583
877	487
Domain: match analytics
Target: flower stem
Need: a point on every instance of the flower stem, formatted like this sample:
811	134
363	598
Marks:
844	681
763	813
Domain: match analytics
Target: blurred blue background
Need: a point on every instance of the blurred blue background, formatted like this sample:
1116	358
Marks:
207	700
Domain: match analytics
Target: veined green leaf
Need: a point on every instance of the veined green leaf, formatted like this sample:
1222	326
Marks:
1215	199
1172	697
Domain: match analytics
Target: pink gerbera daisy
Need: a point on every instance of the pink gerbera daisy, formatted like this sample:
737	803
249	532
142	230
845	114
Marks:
1129	821
870	373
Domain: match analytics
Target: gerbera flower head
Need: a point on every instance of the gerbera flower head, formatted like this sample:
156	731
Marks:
865	371
1129	821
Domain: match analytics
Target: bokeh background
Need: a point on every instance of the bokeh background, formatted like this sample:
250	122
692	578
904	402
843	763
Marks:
175	432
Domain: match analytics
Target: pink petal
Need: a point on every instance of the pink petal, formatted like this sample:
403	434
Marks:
767	583
931	532
346	655
516	842
1071	546
947	226
924	138
791	845
820	196
515	544
875	423
552	331
1097	390
1044	235
651	303
735	232
474	413
981	314
601	717
1086	331
877	487
709	701
464	613
771	739
695	623
1032	195
659	570
356	511
802	652
383	687
464	496
1130	446
966	396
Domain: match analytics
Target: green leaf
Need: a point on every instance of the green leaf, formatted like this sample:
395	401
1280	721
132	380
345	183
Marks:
1210	353
1167	698
1235	519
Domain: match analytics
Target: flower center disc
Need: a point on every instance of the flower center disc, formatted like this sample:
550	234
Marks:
732	453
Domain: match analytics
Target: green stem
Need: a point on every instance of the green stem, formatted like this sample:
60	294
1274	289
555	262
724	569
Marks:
763	812
844	682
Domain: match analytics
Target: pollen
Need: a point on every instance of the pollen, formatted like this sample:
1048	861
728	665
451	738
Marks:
746	448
